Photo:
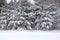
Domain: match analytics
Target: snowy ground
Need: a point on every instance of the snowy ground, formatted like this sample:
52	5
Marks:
29	35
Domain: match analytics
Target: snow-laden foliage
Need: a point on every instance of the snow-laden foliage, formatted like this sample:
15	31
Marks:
25	16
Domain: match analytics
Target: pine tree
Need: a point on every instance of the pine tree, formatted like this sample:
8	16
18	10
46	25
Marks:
46	20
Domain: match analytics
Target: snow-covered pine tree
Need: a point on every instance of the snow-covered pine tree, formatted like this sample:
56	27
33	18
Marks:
46	20
11	13
16	17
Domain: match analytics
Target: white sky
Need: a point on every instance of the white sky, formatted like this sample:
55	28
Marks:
30	1
8	1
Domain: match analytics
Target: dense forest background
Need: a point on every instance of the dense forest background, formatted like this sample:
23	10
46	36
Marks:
29	14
